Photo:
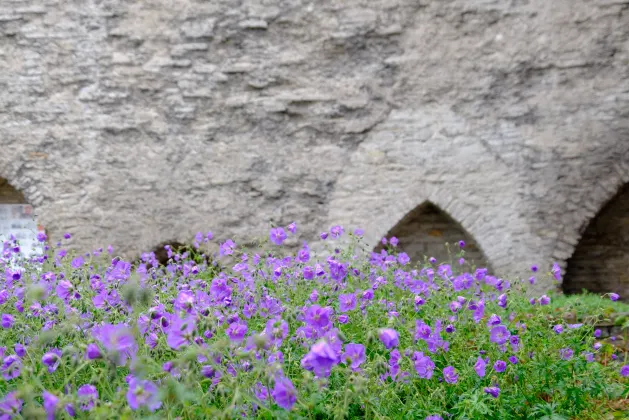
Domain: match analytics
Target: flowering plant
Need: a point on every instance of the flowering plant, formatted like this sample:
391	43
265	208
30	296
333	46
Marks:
350	334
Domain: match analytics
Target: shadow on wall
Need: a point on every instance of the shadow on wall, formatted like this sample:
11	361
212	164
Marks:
9	195
600	262
161	253
424	231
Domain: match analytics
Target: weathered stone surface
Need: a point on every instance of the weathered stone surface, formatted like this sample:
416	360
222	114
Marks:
161	118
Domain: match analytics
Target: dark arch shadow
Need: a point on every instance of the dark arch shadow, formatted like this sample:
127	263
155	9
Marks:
425	230
10	195
161	253
600	262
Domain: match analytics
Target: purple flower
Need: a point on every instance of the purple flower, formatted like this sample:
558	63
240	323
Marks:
284	393
500	366
499	334
354	355
389	337
534	268
180	332
493	320
343	319
277	235
494	391
143	393
394	241
434	417
558	328
480	366
544	300
77	262
292	228
321	358
11	366
403	258
318	317
589	356
461	244
277	330
502	300
93	352
50	404
236	331
227	248
614	296
566	353
88	394
64	290
303	256
41	237
7	321
450	375
515	343
624	371
556	271
597	333
52	359
118	340
513	360
424	366
20	350
347	302
455	306
10	406
336	231
67	235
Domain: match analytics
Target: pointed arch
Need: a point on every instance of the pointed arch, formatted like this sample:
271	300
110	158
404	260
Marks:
424	231
600	260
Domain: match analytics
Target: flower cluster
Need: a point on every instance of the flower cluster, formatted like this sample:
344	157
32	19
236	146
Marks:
351	334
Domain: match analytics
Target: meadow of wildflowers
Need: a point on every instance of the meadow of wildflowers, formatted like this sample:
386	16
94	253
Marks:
276	334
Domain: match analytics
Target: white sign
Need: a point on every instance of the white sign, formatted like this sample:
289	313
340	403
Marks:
18	220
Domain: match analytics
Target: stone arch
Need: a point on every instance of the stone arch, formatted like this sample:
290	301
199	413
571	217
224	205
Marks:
599	261
424	232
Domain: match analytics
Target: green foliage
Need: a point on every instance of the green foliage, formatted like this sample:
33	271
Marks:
60	303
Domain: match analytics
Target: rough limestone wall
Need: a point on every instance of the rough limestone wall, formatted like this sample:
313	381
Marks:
429	232
134	123
600	262
509	116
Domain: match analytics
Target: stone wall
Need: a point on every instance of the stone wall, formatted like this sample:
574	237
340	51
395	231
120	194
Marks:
132	123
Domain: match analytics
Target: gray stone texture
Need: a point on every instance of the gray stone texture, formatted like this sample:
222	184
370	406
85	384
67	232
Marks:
137	122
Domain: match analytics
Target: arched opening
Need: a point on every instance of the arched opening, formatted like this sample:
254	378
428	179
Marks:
600	262
161	252
9	195
424	232
17	219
